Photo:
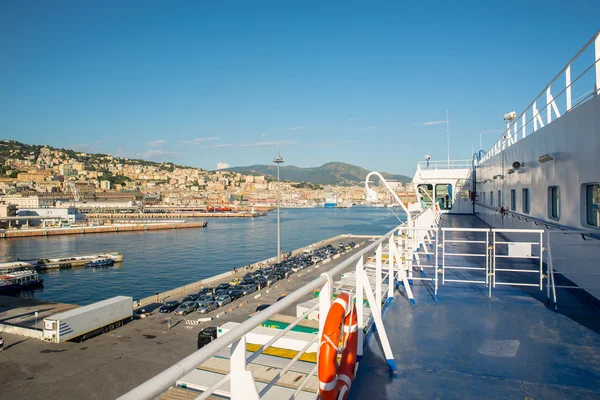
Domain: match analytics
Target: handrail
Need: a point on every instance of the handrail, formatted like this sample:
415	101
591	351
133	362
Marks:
408	217
507	138
165	379
594	234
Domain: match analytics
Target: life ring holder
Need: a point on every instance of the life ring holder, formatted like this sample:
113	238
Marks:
335	380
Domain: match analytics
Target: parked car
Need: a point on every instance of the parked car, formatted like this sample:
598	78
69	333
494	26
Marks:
221	292
204	298
247	289
262	307
186	308
222	300
235	294
205	291
206	335
190	297
168	306
222	286
207	306
260	281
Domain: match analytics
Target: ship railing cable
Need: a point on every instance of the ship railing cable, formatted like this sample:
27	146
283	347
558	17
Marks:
161	382
513	130
567	249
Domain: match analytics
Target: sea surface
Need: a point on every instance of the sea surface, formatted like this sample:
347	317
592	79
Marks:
157	261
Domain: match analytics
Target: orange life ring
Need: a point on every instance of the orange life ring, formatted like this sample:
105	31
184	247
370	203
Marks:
334	380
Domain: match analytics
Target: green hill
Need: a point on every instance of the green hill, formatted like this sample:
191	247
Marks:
333	173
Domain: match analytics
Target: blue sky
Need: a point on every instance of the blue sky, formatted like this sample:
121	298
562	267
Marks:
202	83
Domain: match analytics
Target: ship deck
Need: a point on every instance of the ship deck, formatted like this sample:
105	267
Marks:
512	346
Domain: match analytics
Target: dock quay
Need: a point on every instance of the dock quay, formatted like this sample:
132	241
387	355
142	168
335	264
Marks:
66	262
115	216
113	228
138	350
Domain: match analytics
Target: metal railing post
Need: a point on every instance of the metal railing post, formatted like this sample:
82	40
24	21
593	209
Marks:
443	257
541	261
358	276
437	250
325	296
378	276
568	87
391	273
597	57
242	382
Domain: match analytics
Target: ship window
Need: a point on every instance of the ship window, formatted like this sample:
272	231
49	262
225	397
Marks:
554	202
483	198
426	192
443	196
513	199
491	198
525	201
592	203
499	198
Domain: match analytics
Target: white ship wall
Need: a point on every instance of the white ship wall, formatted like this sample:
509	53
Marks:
574	142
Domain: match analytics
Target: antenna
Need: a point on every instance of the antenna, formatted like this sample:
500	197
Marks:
448	135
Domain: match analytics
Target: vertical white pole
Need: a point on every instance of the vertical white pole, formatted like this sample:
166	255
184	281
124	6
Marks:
524	123
242	382
448	135
359	305
378	276
548	106
596	57
535	116
568	87
325	302
391	280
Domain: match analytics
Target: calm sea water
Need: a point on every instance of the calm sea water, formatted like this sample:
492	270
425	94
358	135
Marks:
162	260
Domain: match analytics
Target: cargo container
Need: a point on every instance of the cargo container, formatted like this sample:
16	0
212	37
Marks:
85	322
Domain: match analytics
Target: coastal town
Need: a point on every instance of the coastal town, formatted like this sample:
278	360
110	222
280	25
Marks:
38	180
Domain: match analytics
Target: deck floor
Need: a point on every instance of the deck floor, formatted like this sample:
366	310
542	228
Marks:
466	346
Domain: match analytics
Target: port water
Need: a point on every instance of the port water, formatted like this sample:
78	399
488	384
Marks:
161	260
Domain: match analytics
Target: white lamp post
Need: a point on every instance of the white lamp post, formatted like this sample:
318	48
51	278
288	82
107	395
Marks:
278	160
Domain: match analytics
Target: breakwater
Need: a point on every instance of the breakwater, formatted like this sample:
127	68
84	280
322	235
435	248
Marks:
77	230
115	216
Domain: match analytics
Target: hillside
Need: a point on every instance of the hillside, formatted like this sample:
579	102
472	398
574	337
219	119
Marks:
333	173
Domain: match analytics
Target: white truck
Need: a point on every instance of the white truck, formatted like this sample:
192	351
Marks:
88	321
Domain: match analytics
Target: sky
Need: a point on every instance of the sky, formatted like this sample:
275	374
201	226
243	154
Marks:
224	83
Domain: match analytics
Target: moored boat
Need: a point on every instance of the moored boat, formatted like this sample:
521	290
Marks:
13	280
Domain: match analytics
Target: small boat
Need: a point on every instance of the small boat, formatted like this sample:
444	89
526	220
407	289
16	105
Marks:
19	279
101	262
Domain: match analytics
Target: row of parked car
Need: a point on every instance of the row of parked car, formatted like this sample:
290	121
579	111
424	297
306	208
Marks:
209	299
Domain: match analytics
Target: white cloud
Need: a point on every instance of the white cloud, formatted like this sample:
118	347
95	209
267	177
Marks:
199	140
220	145
156	143
157	154
370	128
296	128
222	165
434	122
264	134
268	144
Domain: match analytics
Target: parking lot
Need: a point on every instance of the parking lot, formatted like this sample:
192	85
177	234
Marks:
110	364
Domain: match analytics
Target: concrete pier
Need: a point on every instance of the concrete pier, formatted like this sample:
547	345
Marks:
115	216
75	230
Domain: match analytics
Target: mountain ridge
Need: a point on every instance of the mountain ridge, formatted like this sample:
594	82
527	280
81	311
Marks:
331	173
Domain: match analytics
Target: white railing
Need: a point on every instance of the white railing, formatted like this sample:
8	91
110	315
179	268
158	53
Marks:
560	96
384	269
445	164
563	255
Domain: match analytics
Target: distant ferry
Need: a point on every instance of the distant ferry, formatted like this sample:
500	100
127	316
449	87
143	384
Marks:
330	202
